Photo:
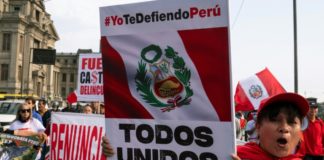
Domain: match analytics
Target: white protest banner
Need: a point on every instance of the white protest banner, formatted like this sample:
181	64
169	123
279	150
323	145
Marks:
167	84
76	136
90	78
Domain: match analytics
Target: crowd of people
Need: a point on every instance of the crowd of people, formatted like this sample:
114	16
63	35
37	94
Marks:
285	127
31	121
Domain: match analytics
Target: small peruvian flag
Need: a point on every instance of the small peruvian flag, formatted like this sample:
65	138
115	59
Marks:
72	97
251	91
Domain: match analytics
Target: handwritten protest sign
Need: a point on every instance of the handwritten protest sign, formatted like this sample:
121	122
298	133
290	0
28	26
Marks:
90	78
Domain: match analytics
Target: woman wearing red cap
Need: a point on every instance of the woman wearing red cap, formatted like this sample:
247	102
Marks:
279	129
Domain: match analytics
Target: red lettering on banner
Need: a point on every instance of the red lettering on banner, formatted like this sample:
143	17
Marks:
85	140
91	90
53	140
74	137
67	144
91	63
92	138
209	12
98	149
60	141
79	139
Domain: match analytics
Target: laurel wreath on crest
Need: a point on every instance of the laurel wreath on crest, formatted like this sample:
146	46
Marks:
143	82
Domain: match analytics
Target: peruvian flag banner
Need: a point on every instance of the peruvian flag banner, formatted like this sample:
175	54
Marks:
72	97
251	91
166	74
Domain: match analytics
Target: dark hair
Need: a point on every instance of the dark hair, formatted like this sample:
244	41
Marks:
30	98
272	111
43	101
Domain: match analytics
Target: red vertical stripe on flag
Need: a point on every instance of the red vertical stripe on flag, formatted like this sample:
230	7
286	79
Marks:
270	82
242	102
118	100
208	50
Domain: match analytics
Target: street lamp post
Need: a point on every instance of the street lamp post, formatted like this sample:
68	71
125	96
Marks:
295	49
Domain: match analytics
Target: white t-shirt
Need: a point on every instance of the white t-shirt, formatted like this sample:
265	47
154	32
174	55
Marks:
33	125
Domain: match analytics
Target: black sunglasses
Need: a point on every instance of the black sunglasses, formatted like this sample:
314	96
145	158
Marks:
25	110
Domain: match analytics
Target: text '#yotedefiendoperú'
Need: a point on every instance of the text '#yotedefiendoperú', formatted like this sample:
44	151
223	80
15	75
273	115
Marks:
157	16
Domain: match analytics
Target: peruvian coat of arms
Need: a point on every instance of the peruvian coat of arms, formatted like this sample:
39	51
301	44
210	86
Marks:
255	91
163	80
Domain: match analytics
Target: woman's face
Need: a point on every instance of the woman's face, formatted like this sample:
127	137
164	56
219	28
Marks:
279	136
25	112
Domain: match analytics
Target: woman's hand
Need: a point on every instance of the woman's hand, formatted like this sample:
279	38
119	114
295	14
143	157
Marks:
42	137
107	149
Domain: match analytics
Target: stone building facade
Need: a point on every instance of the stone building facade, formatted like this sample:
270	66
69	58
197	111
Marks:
24	26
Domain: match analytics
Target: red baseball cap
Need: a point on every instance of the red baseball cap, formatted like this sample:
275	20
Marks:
299	101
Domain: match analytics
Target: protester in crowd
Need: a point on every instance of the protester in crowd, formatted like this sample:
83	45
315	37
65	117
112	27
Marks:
78	108
314	133
26	125
240	116
31	101
102	108
250	129
68	108
87	109
95	107
238	129
56	107
45	113
278	125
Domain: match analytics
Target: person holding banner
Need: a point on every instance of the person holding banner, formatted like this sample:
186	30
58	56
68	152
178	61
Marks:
25	125
279	122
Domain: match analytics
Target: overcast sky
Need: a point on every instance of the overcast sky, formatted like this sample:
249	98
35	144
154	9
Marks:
261	36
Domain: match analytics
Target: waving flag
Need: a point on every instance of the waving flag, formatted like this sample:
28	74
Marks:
72	97
251	91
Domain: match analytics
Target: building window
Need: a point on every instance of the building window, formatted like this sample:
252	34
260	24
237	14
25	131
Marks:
36	43
63	77
37	15
16	8
71	90
6	42
63	93
74	61
71	77
66	61
21	43
4	72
